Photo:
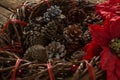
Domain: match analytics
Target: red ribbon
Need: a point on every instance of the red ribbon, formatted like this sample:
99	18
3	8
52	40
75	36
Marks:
14	21
90	70
16	47
5	26
48	4
15	68
18	21
51	75
73	3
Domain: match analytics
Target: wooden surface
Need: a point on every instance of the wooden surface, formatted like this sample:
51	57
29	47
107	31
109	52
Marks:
10	4
14	3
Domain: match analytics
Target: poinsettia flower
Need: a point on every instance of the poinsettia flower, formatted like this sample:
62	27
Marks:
101	36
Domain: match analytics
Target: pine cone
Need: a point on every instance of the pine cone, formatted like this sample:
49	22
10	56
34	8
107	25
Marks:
32	36
32	26
73	33
55	50
36	53
49	32
86	36
51	13
76	16
94	18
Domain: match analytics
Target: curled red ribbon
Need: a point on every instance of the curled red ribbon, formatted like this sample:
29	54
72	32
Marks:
48	4
14	21
15	68
23	23
73	3
16	47
90	70
51	75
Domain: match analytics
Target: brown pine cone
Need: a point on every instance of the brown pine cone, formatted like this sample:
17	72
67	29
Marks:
76	16
52	32
49	31
33	38
73	33
86	36
36	53
94	18
56	50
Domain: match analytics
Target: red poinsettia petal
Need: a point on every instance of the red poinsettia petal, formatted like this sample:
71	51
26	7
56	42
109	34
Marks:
92	49
108	63
118	68
115	27
104	9
108	7
99	34
113	2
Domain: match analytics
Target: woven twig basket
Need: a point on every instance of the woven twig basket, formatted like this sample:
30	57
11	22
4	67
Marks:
28	70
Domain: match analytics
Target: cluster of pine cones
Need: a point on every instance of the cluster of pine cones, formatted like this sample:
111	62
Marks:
58	26
60	32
